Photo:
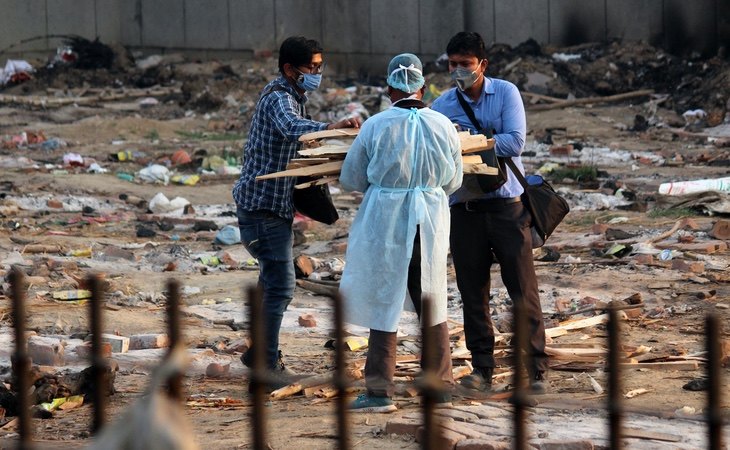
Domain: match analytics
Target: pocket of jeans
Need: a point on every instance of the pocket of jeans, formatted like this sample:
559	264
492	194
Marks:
250	239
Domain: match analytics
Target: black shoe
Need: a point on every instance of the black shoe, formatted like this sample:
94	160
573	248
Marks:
539	383
443	400
480	379
276	378
247	360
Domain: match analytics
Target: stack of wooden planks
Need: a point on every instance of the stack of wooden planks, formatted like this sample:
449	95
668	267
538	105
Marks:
324	152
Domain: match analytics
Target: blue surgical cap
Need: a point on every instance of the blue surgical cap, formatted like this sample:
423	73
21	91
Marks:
405	73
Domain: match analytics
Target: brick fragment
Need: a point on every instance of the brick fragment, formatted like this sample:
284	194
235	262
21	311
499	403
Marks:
54	204
644	259
561	150
307	321
217	370
84	350
721	230
403	426
599	228
634	313
686	266
562	445
481	444
445	439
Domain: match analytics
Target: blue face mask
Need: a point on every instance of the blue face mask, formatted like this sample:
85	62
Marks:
309	81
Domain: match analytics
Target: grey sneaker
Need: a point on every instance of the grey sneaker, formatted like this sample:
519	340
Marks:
480	379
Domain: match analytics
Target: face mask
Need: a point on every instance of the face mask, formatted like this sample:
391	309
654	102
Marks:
464	78
309	81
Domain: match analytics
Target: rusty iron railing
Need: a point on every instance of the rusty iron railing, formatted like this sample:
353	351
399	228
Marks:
430	387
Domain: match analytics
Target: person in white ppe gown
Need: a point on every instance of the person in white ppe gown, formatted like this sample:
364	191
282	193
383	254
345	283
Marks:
406	160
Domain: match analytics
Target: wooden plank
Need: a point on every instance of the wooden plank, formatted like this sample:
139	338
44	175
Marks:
317	182
480	169
337	133
329	168
471	143
471	159
648	434
666	365
296	163
328	150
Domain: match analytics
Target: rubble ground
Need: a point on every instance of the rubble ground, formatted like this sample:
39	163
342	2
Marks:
62	219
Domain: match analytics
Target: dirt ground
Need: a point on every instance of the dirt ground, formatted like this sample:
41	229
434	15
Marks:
630	165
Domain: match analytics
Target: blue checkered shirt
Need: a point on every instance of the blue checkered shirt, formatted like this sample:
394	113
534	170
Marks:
273	140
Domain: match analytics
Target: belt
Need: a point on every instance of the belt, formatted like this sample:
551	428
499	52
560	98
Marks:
488	204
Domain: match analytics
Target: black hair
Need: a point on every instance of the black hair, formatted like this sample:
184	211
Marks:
467	43
297	51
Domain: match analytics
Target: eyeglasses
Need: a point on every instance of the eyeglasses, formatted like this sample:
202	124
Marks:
315	69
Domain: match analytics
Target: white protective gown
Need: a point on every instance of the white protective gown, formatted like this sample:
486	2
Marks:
406	162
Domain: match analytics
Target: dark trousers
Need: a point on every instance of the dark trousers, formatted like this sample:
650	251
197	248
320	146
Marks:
382	345
381	360
501	230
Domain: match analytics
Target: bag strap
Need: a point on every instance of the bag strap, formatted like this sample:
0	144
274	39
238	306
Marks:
518	174
469	111
278	87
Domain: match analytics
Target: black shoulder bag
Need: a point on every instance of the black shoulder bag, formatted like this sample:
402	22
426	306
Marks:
546	206
314	201
487	183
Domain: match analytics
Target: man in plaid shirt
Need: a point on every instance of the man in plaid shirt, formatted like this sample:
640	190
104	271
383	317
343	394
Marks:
264	208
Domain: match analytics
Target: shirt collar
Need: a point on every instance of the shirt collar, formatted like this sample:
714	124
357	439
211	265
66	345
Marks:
290	89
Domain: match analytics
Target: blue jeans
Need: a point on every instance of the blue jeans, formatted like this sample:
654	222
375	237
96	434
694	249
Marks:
268	238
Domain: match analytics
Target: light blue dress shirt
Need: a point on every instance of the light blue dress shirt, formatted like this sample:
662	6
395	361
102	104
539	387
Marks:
500	109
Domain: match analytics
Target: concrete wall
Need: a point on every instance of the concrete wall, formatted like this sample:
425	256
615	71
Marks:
359	36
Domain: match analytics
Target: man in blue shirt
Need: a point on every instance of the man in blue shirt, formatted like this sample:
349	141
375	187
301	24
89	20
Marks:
491	225
264	208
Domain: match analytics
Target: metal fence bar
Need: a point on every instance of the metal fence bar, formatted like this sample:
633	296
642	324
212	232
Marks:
258	372
340	381
615	406
714	394
175	384
21	361
99	366
429	382
519	396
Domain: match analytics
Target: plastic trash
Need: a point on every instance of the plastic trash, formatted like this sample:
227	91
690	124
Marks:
81	253
53	144
160	204
15	71
77	294
155	173
73	160
695	186
125	176
187	180
96	168
694	116
228	235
